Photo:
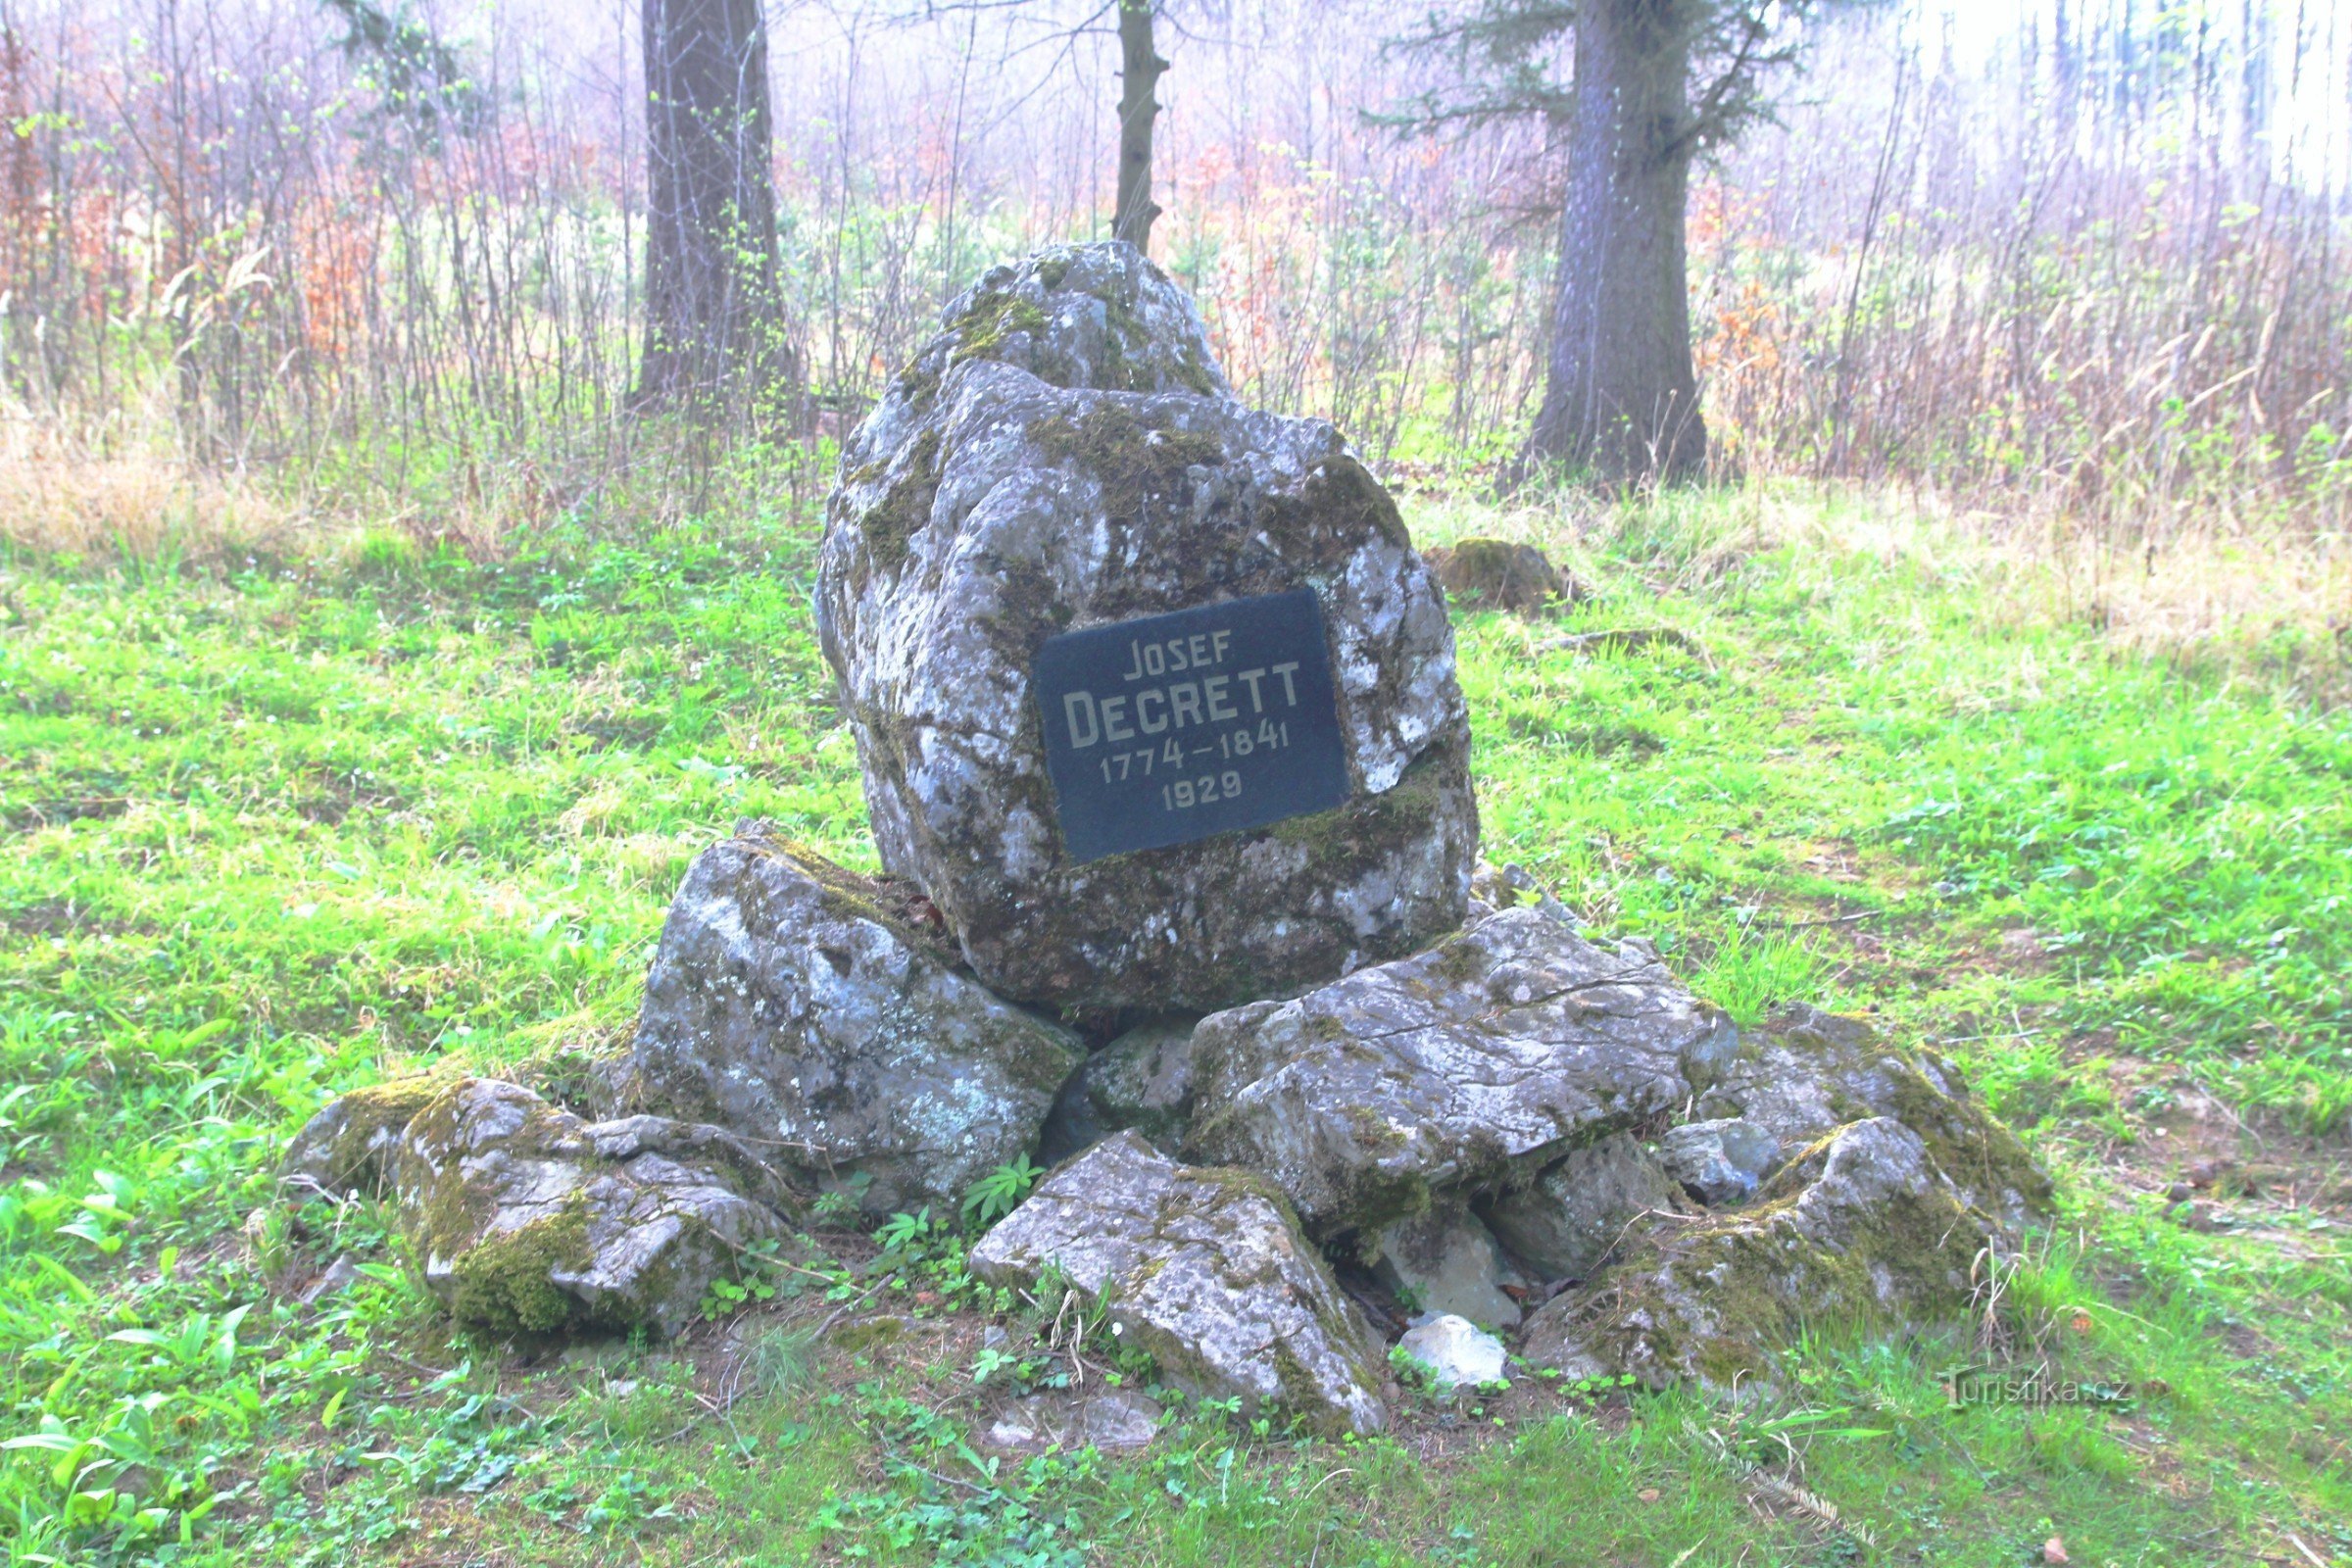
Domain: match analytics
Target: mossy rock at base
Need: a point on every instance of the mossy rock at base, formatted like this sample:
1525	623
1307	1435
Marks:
824	1015
527	1219
1482	573
347	1147
1860	1233
1202	1271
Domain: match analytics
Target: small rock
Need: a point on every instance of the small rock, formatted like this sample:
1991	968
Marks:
529	1219
994	1337
1472	1065
1720	1162
1495	888
793	1004
1564	1223
1483	574
1202	1271
335	1278
1447	1262
1805	1073
1142	1079
1457	1350
1113	1421
332	1280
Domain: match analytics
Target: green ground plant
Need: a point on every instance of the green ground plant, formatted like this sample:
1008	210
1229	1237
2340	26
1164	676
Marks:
279	829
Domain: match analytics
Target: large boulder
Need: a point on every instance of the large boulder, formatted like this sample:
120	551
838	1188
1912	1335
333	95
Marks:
1206	1271
812	1012
1470	1067
1863	1228
526	1218
1064	455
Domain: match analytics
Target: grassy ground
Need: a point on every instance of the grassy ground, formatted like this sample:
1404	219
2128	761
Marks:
274	832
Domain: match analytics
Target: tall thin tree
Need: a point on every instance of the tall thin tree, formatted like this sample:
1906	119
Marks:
1140	70
716	330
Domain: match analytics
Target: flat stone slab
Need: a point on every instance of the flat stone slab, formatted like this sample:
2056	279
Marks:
1207	1272
1468	1066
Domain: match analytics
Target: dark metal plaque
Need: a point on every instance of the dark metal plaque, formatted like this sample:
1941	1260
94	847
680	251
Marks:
1169	728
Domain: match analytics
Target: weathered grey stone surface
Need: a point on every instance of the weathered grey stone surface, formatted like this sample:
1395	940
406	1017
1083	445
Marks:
1144	1078
1116	1420
1721	1162
1564	1223
1065	455
1805	1072
347	1147
1862	1228
1206	1271
1469	1066
1445	1260
1458	1352
804	1008
528	1218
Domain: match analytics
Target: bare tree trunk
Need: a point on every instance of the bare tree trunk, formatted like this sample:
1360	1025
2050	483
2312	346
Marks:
1140	69
715	321
1621	398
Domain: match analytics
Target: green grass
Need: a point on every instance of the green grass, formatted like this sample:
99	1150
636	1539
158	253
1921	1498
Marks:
275	834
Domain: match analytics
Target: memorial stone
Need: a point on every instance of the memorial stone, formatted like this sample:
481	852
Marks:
1152	696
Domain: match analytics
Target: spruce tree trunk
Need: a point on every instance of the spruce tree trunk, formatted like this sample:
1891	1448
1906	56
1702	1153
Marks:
715	334
1621	400
1140	69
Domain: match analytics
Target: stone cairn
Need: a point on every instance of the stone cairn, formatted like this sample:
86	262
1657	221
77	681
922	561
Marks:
1170	770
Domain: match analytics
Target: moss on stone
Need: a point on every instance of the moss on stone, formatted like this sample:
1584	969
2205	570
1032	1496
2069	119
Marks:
890	524
981	330
344	1149
503	1284
1495	572
1133	462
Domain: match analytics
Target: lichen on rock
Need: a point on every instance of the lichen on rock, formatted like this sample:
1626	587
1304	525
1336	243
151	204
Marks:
524	1218
1469	1066
347	1147
809	1011
1862	1229
1065	455
1204	1271
1805	1072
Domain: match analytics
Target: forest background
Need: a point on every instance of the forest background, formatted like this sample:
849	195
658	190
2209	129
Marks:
374	660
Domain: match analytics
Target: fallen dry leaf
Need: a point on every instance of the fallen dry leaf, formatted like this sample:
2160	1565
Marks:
2053	1550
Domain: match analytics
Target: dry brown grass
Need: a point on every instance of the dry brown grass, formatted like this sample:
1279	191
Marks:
2204	594
142	503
